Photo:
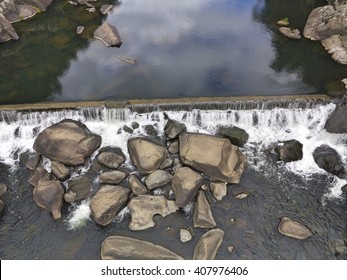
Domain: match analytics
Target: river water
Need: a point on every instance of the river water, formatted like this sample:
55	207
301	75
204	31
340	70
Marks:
299	190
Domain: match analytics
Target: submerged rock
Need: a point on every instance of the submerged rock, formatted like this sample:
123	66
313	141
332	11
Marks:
108	34
146	155
290	33
112	177
143	207
107	202
208	245
69	142
127	248
158	179
215	156
329	160
289	150
203	217
136	185
48	194
185	185
293	229
236	135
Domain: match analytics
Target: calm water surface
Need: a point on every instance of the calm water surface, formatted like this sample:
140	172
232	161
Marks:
182	49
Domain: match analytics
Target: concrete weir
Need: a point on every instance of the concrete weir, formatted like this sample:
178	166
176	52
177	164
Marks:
188	104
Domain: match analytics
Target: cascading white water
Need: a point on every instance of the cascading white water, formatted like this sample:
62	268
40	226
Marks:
265	128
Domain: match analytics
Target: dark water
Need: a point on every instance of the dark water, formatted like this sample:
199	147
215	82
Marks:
299	190
182	49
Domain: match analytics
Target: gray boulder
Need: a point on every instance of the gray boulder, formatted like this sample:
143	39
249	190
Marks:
173	128
146	155
143	207
60	170
33	162
289	150
112	177
185	185
336	122
344	189
107	202
136	185
208	245
127	248
48	194
215	156
108	34
39	174
158	179
329	160
7	31
293	229
336	45
203	217
69	142
236	135
111	159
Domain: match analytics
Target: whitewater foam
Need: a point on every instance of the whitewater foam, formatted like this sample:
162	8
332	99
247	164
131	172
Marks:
79	215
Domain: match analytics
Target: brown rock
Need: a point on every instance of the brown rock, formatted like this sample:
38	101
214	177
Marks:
112	177
39	174
136	185
111	160
293	229
60	170
208	245
203	217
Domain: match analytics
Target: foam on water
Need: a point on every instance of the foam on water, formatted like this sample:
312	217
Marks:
79	215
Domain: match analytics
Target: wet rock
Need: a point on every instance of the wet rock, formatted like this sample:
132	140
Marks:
185	185
212	155
60	170
135	125
73	3
2	206
293	229
33	162
150	130
208	245
111	159
79	29
236	135
174	147
144	207
329	160
203	217
108	34
107	202
230	248
127	248
185	235
48	194
166	163
336	122
112	177
146	155
336	45
173	128
3	189
7	31
105	9
127	129
69	142
158	179
78	189
289	150
290	33
219	190
344	189
136	185
242	195
39	174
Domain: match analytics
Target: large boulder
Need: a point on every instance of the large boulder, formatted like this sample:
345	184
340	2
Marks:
329	160
203	217
107	202
127	248
337	121
69	142
143	207
208	245
48	194
289	150
146	155
293	229
236	135
185	185
108	34
213	155
158	179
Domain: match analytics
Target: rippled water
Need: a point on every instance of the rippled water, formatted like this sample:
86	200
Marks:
298	190
182	48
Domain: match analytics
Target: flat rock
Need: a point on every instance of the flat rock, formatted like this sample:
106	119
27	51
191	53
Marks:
208	245
107	202
215	156
203	217
290	33
218	189
158	179
60	170
136	185
112	177
143	207
108	34
293	229
39	174
185	185
146	155
48	194
127	248
69	142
